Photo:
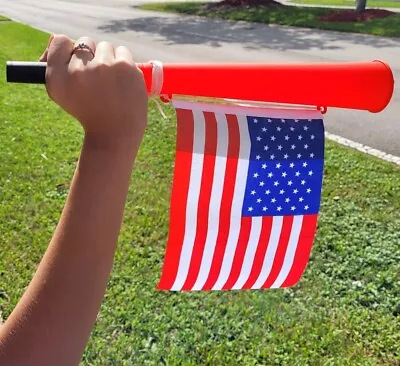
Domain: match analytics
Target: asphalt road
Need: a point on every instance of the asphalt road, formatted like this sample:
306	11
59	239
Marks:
171	38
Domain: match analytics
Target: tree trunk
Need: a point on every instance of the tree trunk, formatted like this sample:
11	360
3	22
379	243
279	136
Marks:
360	5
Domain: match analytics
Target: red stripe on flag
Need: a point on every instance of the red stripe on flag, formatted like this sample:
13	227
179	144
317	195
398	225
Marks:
210	152
226	201
260	253
243	240
280	251
303	250
180	188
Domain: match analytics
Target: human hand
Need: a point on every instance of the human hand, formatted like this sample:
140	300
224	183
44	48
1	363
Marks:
105	92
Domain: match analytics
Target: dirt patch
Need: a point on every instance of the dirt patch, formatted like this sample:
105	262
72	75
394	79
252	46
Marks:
352	16
243	3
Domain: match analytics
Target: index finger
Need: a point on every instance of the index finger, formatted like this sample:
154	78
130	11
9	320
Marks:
60	50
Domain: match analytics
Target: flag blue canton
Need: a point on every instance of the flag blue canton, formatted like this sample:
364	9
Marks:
285	168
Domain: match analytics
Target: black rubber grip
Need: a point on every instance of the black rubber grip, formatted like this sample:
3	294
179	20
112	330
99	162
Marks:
26	72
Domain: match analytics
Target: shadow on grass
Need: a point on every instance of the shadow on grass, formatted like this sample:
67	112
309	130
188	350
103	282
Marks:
192	30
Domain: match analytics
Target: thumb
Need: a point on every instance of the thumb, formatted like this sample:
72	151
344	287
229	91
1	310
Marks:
43	58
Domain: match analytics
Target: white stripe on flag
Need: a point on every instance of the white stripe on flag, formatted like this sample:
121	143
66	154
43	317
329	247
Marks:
237	203
215	201
255	232
290	251
192	201
277	223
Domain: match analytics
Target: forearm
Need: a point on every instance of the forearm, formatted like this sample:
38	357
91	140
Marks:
59	308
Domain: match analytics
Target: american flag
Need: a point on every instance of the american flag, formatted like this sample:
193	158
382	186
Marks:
245	197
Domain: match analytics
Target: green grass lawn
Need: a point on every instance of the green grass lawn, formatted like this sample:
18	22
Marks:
345	310
284	15
2	18
370	3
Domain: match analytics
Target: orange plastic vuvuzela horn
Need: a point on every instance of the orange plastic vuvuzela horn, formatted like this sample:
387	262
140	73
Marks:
357	85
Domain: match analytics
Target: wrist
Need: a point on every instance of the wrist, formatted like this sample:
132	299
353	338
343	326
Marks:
112	144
